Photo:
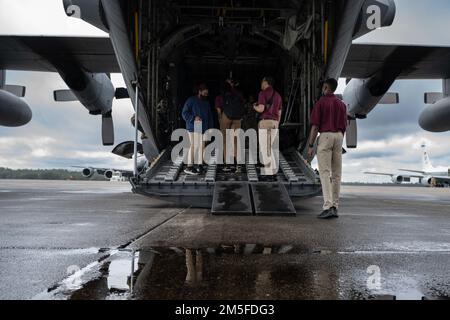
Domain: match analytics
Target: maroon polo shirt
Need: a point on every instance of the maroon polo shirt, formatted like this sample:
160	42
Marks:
330	114
273	113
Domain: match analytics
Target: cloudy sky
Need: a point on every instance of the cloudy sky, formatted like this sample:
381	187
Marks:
63	134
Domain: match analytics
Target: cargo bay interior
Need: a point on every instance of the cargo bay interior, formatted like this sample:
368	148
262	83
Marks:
180	43
184	42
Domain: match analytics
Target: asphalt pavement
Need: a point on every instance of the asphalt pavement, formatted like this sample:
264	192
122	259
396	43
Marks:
81	240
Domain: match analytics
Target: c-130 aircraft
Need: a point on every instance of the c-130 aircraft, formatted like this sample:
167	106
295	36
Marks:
163	47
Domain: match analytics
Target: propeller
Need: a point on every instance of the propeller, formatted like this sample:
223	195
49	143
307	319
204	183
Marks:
107	120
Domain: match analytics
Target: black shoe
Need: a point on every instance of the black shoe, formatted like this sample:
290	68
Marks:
334	211
327	214
192	171
201	169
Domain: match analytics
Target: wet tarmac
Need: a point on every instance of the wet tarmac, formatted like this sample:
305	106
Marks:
95	240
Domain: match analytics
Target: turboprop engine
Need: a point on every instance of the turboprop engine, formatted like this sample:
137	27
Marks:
14	112
436	117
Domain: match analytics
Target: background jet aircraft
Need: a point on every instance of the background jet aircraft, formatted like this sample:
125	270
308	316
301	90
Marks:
428	176
125	150
88	172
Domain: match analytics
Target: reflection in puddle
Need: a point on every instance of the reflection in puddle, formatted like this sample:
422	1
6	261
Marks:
242	271
119	273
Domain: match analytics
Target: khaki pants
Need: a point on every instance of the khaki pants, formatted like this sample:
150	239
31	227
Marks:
228	124
195	154
329	156
267	154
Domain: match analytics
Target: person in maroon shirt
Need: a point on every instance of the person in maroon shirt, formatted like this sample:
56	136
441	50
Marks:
269	109
269	102
329	118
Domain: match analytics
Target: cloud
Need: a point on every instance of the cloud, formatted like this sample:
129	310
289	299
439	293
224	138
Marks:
61	134
43	17
418	22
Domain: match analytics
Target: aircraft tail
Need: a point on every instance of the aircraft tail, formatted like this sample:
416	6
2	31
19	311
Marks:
426	162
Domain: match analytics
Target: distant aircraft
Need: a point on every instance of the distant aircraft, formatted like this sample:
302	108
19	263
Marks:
428	176
124	150
88	172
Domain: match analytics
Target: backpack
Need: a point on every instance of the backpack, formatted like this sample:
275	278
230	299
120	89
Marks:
233	106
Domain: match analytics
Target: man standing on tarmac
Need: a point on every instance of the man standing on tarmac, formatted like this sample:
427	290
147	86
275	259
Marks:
329	118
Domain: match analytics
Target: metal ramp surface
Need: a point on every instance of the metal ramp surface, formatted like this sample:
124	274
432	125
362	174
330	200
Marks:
272	199
231	198
242	198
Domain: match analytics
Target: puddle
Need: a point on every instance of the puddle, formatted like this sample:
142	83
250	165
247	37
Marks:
119	273
227	272
409	289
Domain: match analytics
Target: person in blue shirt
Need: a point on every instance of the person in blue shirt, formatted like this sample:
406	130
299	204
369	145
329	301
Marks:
197	113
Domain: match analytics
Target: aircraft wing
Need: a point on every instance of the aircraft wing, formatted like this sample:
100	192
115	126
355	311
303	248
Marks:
380	174
413	171
393	174
415	62
42	53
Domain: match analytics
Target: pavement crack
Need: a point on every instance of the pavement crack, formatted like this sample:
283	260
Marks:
64	287
152	229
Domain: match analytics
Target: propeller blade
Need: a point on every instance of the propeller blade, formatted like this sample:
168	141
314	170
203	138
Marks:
64	96
18	91
122	93
107	129
352	134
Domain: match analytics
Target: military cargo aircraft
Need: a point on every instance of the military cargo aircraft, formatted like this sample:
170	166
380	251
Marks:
162	48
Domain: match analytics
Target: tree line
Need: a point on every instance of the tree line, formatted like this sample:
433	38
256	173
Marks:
44	174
